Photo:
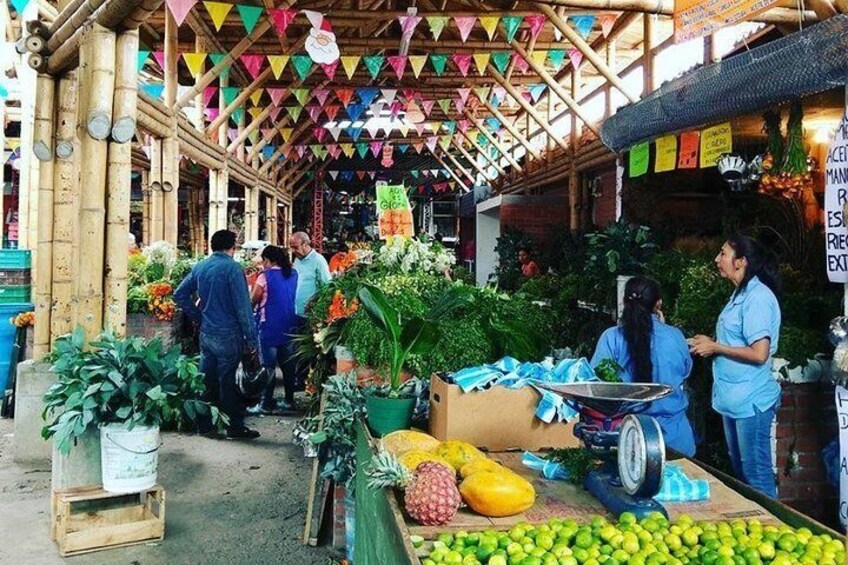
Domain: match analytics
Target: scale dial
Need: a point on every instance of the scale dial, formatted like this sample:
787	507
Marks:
641	455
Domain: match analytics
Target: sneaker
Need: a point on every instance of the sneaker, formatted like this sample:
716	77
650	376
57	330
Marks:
243	433
257	410
286	406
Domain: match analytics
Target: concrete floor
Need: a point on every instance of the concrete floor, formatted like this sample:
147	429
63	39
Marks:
227	502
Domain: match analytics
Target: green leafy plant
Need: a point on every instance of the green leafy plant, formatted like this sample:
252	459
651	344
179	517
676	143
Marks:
576	461
129	381
797	345
620	249
609	371
404	337
703	294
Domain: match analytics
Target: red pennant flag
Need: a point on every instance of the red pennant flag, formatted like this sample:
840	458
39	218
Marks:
332	111
398	63
209	93
607	22
396	107
463	62
319	133
410	94
282	19
536	22
253	64
360	174
330	69
345	95
277	95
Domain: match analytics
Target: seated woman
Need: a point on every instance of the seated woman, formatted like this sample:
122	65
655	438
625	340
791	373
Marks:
649	350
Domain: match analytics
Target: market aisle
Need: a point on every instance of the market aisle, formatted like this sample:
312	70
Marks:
227	502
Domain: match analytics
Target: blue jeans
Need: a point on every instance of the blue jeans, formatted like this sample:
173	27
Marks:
219	358
749	446
273	357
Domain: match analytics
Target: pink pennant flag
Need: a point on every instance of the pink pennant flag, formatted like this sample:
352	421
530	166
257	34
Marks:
321	95
335	150
360	174
287	151
521	64
301	149
208	94
372	174
463	94
396	107
275	113
232	134
460	105
212	113
426	173
536	23
410	94
345	95
418	146
277	95
408	25
319	133
268	132
160	58
180	9
527	96
314	111
282	19
332	110
330	69
576	57
398	63
607	22
463	62
431	143
427	106
253	64
465	24
463	125
419	127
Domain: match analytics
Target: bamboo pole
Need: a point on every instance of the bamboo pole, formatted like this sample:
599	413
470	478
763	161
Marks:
170	187
494	141
513	131
574	199
239	100
484	153
97	73
118	188
44	128
271	218
647	54
223	197
145	208
471	160
213	202
156	194
452	173
245	133
459	166
266	139
28	181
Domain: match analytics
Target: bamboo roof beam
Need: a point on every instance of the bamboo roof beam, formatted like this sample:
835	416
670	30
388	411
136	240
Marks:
239	100
494	141
452	173
513	131
199	27
295	136
250	128
459	166
256	149
484	153
471	160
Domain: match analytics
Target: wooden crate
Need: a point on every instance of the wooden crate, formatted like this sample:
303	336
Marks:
87	519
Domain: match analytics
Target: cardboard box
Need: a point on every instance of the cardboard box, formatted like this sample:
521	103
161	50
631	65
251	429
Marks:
497	419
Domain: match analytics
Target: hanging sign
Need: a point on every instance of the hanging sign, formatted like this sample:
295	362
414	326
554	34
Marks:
841	396
394	211
697	18
666	153
835	199
639	157
715	141
689	145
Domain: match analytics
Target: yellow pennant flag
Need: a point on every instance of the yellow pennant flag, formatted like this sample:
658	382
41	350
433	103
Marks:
253	136
194	62
490	24
347	149
278	63
286	133
255	112
404	128
350	62
482	61
539	57
417	63
219	12
257	96
445	141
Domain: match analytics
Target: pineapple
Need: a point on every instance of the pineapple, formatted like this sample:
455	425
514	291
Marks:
431	497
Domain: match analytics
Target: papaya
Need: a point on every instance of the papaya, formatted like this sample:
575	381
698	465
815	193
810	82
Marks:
399	442
478	465
496	494
411	459
458	453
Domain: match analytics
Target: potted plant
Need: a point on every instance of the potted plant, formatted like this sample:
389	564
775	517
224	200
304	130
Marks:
390	409
127	388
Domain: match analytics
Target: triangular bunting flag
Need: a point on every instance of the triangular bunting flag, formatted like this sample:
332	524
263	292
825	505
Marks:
218	11
301	149
431	143
367	95
460	105
330	69
354	111
410	94
230	94
389	94
321	95
465	24
249	15
438	61
427	106
256	96
314	111
463	62
511	24
415	173
333	174
463	94
232	134
194	62
278	63
576	57
536	23
417	63
302	64
275	113
536	91
450	126
268	133
282	19
444	104
212	114
302	95
539	57
408	24
160	59
481	60
362	150
253	64
402	148
418	146
437	24
490	24
347	149
255	112
332	110
463	125
268	151
398	63
373	129
583	24
403	128
556	57
277	95
361	174
445	141
500	59
350	63
335	132
154	90
376	109
217	59
493	123
319	133
607	21
142	59
286	133
373	63
179	9
394	110
482	93
294	112
426	172
208	94
521	64
237	115
345	95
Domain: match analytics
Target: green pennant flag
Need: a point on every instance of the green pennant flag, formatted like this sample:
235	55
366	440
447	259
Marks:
301	95
501	59
438	61
374	63
216	59
142	59
415	173
482	92
437	24
249	16
450	125
482	140
362	149
511	23
444	104
302	64
237	115
556	57
230	94
294	112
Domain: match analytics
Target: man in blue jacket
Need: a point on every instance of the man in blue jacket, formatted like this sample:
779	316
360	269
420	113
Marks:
227	327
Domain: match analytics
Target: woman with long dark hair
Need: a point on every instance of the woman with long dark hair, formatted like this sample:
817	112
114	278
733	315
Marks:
650	351
747	332
273	296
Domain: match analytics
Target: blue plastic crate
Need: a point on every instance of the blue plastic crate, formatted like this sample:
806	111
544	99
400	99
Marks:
15	258
7	337
14	294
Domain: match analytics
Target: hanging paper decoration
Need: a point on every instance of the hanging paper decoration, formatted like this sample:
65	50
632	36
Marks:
408	24
463	94
481	60
278	63
418	146
536	91
275	113
218	59
403	128
445	141
237	115
389	94
249	16
463	62
354	111
353	132
463	125
302	95
360	174
218	11
460	105
319	133
253	64
511	24
427	106
415	173
268	133
367	95
402	148
500	59
444	104
160	59
450	126
431	143
521	64
350	62
178	8
583	24
417	63
398	63
345	95
330	69
256	96
208	93
301	149
410	94
376	109
321	43
490	24
426	172
362	150
332	110
321	94
194	62
373	63
607	21
576	57
335	132
556	57
437	24
268	152
282	19
294	112
394	110
536	23
465	24
154	90
255	113
314	111
482	93
539	57
302	64
347	149
211	114
142	59
230	93
232	134
375	147
277	95
438	61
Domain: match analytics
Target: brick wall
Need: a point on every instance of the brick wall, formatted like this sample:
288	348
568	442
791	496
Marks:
806	422
536	219
603	205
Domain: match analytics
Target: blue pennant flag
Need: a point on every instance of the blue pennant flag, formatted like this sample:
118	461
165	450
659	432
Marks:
493	123
347	176
583	24
354	133
268	151
367	95
450	126
354	111
536	91
403	147
154	90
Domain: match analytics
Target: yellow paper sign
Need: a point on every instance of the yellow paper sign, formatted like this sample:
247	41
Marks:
697	18
666	154
715	141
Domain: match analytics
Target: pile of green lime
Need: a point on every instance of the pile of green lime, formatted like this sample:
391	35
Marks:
652	541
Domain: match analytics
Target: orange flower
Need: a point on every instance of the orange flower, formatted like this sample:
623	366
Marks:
339	307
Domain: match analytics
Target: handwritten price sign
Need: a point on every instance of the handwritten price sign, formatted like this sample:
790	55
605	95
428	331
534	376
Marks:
394	211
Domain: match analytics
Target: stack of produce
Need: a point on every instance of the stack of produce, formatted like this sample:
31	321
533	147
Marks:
785	166
426	469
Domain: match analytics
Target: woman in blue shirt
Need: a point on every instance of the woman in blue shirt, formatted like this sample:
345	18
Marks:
744	392
649	350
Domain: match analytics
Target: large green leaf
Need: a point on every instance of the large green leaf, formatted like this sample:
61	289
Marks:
381	311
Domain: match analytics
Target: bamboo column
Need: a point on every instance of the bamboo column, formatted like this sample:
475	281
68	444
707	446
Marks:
28	184
213	201
156	195
43	282
170	145
223	198
97	82
118	186
145	207
271	218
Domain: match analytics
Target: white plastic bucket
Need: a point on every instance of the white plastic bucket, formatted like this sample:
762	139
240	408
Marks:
129	458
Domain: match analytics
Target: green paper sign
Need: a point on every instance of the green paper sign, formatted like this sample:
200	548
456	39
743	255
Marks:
438	61
249	16
639	157
501	59
374	63
302	64
391	197
511	23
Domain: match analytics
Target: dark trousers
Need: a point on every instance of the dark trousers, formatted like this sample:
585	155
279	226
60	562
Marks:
273	357
219	358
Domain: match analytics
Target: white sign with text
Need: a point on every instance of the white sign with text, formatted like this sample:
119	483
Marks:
842	417
835	199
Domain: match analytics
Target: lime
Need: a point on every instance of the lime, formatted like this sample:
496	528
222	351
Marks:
787	542
545	541
766	550
583	539
417	541
484	550
497	560
514	548
673	542
428	562
530	560
453	558
446	539
472	539
567	560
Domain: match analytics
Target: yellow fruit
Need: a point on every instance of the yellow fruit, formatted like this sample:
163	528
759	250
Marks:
478	465
497	494
399	442
458	453
411	459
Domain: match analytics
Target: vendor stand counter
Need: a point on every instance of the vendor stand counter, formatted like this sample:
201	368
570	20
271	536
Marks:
383	533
